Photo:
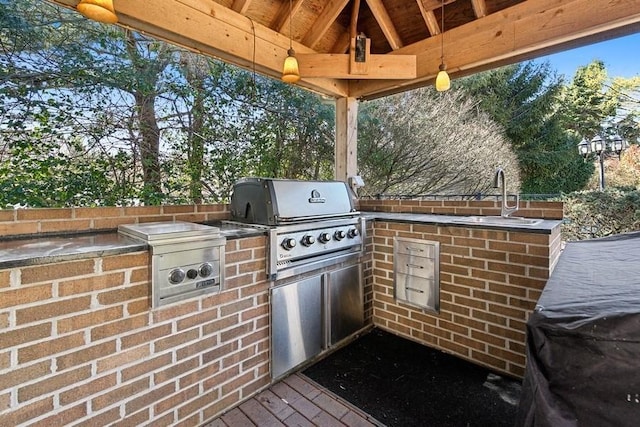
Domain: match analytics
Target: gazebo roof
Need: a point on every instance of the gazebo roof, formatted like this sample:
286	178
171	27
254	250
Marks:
405	36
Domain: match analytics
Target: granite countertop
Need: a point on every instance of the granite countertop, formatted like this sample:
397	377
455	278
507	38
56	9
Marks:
544	227
47	249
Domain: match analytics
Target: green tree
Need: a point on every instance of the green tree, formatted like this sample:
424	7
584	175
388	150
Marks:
523	99
587	103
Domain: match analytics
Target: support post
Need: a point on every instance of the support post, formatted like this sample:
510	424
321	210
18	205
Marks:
346	149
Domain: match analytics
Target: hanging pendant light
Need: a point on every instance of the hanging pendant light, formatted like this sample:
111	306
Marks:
290	71
443	82
98	10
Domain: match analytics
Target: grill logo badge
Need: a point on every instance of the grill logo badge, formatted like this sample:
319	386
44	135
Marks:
316	198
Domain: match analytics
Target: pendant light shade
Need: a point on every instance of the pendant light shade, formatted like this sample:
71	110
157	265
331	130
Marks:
98	10
290	71
443	82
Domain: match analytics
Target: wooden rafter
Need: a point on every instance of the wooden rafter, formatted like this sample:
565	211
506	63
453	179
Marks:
521	32
241	6
517	31
329	14
429	19
384	20
281	23
479	8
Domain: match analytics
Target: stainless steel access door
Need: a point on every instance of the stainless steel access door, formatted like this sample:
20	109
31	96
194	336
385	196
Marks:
296	322
346	306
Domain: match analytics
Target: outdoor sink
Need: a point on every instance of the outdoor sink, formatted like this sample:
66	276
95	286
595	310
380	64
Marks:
498	220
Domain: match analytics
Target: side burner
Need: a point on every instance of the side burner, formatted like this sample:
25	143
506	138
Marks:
187	259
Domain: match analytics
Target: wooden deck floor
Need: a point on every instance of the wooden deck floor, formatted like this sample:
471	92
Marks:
295	401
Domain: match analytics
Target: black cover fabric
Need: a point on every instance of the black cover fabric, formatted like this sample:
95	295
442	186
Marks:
583	339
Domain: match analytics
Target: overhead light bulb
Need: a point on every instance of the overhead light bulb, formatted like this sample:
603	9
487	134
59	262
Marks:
98	10
443	82
290	71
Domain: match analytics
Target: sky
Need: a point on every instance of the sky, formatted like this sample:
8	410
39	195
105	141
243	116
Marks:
620	56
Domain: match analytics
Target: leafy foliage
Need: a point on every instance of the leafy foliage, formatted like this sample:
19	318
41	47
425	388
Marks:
523	99
593	214
424	142
180	127
586	103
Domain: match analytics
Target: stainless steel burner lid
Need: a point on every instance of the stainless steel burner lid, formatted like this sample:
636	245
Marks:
270	201
160	231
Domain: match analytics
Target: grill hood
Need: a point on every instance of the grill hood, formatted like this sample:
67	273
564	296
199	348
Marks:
270	201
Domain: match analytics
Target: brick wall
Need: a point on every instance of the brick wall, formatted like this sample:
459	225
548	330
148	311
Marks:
30	222
79	343
490	281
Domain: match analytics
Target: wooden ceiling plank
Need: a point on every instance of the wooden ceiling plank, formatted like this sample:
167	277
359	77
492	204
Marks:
281	23
214	30
327	17
342	44
479	8
241	6
386	24
517	32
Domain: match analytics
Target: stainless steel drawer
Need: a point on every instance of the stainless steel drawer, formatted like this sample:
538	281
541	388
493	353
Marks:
417	273
415	247
415	266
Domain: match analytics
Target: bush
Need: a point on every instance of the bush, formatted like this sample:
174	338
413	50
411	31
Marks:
591	214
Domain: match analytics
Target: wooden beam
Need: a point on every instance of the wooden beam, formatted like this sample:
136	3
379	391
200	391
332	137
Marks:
353	24
282	19
429	19
214	30
384	20
342	44
241	6
519	32
434	4
327	17
479	8
337	66
346	151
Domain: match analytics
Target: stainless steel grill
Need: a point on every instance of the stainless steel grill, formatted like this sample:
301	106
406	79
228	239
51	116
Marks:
313	260
312	224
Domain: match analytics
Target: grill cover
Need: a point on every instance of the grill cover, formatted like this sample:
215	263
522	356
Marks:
583	339
270	201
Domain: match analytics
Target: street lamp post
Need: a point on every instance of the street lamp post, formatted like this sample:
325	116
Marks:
599	147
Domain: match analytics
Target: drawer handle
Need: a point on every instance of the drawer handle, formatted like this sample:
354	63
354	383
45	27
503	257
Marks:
415	290
414	266
409	248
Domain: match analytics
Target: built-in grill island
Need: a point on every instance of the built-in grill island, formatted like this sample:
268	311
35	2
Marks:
313	260
187	259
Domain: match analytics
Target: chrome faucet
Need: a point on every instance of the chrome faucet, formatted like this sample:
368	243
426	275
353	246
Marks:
499	182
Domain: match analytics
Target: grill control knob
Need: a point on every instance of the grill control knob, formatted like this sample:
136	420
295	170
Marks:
176	276
206	269
324	237
353	232
289	243
339	235
308	240
192	273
